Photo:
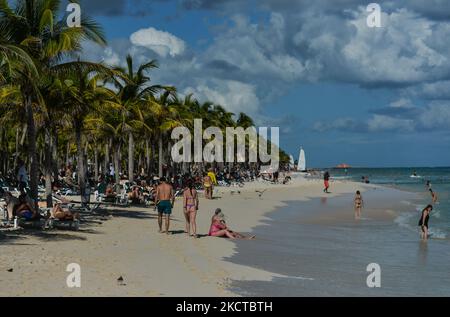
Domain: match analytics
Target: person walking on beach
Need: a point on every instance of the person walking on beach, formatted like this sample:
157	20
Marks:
190	207
326	179
207	184
423	222
164	201
22	177
358	201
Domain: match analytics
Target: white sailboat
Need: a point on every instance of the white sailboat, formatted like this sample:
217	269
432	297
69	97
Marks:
301	167
291	162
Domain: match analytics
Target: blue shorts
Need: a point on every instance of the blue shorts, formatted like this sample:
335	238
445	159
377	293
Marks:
165	207
28	215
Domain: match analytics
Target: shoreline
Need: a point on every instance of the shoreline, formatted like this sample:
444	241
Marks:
127	244
328	257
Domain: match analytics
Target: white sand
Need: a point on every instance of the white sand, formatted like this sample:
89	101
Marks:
151	264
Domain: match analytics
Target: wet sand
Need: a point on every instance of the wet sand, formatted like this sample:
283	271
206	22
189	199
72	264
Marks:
126	243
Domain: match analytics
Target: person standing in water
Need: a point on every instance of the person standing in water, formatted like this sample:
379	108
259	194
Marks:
434	196
164	201
190	207
326	179
423	222
359	203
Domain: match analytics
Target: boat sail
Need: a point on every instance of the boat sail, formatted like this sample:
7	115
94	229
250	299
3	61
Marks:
291	162
301	167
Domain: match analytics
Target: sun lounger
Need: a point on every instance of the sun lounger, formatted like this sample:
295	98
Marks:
64	224
32	224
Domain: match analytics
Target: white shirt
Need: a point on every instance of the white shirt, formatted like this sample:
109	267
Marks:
22	175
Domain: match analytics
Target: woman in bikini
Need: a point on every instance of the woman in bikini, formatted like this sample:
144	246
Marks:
207	184
358	204
25	209
63	214
219	228
190	207
423	222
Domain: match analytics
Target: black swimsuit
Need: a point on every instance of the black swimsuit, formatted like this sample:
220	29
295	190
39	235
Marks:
426	221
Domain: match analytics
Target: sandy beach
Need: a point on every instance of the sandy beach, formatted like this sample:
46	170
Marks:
126	243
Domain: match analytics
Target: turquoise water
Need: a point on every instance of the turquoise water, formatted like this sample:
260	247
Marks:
330	259
401	178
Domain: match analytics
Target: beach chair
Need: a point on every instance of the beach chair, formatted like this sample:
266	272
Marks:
122	198
64	224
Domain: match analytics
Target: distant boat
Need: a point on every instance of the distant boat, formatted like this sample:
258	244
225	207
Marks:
291	162
301	167
343	165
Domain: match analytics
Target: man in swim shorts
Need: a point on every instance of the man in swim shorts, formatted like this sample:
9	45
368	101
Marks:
165	199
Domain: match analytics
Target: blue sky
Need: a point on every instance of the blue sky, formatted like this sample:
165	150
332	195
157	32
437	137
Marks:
344	91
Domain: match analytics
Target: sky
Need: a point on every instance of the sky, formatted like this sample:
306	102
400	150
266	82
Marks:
345	92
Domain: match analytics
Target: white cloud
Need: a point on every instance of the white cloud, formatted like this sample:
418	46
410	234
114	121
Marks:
233	95
111	57
380	123
163	43
436	116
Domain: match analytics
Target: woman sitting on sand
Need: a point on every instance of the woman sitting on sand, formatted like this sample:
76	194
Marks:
219	228
190	207
63	214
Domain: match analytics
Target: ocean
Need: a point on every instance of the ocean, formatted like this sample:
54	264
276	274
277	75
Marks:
400	178
331	259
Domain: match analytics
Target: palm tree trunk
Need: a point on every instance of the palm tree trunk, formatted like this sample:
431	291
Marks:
116	163
17	147
95	162
147	157
68	153
160	156
130	157
107	157
55	155
80	159
32	152
48	167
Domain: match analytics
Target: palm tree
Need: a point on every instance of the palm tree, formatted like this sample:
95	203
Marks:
165	116
33	25
132	94
86	95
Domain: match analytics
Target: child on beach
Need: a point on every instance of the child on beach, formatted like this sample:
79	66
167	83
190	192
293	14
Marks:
423	222
358	201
